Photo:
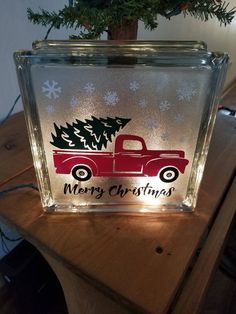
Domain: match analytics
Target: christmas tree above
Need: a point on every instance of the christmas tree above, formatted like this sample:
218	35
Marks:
93	17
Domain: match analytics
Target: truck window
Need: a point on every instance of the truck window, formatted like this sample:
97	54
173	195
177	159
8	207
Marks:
132	145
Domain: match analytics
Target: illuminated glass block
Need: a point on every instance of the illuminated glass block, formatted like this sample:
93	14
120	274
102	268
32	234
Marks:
120	126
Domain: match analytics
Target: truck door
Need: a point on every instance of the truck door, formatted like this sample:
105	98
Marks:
130	158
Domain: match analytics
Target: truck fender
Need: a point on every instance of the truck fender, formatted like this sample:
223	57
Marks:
83	161
153	166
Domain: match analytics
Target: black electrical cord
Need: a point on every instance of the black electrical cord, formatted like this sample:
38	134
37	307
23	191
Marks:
3	236
20	186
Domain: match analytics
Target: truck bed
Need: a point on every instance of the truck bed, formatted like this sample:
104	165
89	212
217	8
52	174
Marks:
80	151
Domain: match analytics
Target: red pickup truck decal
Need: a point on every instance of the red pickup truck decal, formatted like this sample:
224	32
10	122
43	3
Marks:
131	158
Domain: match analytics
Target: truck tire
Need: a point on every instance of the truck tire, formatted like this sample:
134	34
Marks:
169	174
81	173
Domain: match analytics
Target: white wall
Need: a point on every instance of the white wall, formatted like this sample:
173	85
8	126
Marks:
218	38
16	32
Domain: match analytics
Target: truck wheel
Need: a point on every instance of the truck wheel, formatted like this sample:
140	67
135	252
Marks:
81	173
169	174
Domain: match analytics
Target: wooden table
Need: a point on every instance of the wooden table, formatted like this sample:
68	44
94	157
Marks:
120	263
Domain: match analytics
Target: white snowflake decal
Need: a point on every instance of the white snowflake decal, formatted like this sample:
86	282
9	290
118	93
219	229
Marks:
179	118
164	136
164	105
75	102
151	124
134	86
51	90
89	88
143	103
50	109
111	98
162	81
186	92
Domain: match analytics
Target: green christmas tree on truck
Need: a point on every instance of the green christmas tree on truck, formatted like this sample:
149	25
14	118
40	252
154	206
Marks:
93	134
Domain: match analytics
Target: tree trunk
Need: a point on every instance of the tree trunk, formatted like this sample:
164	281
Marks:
127	30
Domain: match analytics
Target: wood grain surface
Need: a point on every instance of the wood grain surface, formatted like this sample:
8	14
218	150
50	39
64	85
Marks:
138	261
82	297
192	297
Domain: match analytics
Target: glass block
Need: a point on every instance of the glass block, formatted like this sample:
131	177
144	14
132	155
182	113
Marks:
120	126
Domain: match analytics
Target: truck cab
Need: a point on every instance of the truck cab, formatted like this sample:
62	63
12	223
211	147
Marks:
130	150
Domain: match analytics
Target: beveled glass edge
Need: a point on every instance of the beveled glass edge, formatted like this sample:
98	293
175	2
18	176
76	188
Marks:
131	44
205	132
128	208
119	57
34	130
